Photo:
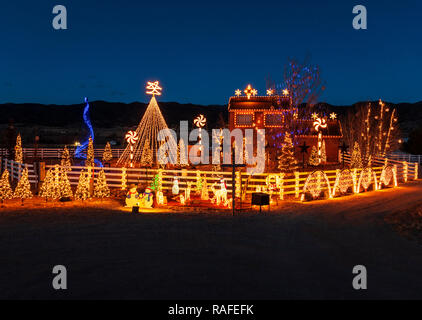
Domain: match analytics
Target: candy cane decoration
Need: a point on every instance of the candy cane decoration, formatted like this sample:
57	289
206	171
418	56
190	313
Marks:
319	123
131	138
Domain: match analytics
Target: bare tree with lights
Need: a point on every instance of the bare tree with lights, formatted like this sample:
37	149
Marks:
374	127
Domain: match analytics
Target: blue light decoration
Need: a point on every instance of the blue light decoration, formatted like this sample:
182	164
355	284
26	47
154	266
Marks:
80	150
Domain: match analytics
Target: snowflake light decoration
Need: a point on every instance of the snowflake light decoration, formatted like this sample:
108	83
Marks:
285	92
333	116
314	116
238	93
270	92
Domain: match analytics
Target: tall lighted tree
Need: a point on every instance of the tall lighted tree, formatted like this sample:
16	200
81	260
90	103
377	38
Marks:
82	191
107	154
5	189
65	160
101	189
18	149
147	156
286	160
323	153
356	158
182	154
151	123
23	189
90	154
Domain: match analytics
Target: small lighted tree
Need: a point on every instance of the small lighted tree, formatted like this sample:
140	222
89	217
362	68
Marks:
356	158
286	160
204	190
90	154
64	187
82	191
49	188
5	189
107	154
23	189
65	161
101	189
314	158
18	149
198	182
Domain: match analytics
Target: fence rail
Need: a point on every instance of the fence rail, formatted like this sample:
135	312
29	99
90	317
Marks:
405	157
45	153
15	170
385	171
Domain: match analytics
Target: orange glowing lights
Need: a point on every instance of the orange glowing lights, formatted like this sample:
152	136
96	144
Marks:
249	91
153	88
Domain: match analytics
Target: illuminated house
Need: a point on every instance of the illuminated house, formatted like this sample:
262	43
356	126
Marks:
272	112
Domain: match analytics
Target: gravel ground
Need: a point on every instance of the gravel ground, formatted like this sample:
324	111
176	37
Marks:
296	251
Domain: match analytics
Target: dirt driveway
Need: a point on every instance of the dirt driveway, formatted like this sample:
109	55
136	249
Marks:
298	251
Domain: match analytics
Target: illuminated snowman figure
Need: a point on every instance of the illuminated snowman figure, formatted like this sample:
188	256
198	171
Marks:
132	197
175	188
147	198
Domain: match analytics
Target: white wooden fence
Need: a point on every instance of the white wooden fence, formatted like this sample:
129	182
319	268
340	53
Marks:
45	153
15	170
401	156
405	170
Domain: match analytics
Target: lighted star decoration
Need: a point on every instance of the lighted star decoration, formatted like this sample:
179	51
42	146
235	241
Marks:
333	116
285	92
154	88
270	92
314	116
249	91
238	92
320	123
200	121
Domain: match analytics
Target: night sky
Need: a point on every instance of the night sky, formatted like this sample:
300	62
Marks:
201	51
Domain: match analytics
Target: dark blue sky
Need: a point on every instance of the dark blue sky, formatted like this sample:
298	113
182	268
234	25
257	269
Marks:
201	51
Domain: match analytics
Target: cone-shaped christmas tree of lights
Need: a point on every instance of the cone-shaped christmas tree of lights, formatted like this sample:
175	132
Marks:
82	191
18	149
152	122
49	188
323	153
107	154
182	154
65	161
147	156
64	185
101	189
356	159
287	160
313	158
90	154
5	189
23	189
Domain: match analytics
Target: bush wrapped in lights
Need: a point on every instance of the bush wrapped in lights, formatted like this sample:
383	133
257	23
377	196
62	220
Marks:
344	182
315	184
